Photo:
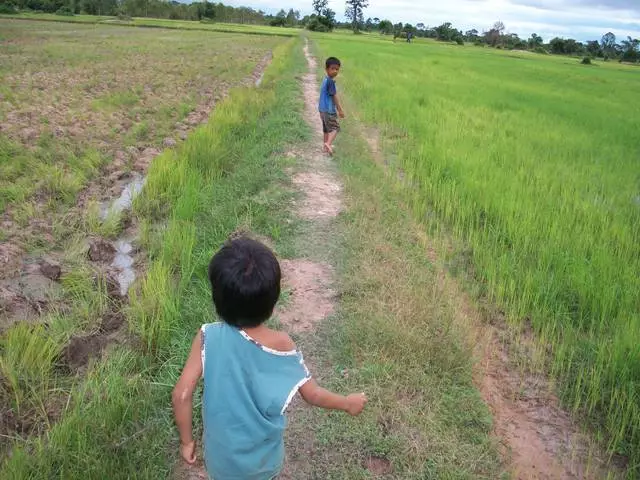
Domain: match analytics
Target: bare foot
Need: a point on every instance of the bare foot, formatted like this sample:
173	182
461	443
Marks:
328	149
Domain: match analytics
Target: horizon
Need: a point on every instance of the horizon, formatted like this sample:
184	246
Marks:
581	20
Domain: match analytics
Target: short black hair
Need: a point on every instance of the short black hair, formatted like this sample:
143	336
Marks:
331	61
245	282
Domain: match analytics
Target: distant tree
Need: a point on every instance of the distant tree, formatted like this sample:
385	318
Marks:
535	41
447	33
329	18
319	6
323	18
280	19
293	17
471	35
513	42
608	43
385	27
573	47
593	47
556	45
630	50
420	26
494	36
355	12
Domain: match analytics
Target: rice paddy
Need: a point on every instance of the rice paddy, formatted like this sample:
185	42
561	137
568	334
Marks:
531	162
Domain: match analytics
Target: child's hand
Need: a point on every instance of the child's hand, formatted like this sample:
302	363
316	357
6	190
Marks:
341	114
188	452
356	403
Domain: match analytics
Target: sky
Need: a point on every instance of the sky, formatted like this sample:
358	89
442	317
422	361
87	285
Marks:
579	19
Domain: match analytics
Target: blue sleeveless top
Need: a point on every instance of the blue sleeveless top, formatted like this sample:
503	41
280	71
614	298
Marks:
247	389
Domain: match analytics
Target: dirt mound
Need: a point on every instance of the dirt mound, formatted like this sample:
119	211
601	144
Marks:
378	465
82	348
101	251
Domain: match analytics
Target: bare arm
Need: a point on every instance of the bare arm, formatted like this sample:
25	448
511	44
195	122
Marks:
183	399
338	105
315	395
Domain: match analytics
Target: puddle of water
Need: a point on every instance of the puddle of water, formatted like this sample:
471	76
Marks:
123	264
129	193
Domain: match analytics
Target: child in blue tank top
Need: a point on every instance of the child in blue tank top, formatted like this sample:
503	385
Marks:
250	372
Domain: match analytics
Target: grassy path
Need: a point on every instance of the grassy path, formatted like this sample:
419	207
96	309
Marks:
391	333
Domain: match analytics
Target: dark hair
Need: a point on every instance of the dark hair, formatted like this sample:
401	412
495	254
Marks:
245	282
331	61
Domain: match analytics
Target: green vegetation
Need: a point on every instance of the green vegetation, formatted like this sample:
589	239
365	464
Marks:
117	418
531	161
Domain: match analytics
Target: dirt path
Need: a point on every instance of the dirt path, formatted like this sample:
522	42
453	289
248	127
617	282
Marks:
309	280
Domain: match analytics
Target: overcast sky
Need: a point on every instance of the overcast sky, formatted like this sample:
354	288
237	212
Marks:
580	19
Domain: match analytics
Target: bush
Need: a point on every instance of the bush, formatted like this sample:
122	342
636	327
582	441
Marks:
65	12
316	26
540	50
459	41
8	8
124	17
586	61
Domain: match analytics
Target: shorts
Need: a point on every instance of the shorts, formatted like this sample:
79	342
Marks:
329	122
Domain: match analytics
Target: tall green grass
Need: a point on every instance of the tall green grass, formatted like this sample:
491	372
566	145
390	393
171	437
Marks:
118	420
532	162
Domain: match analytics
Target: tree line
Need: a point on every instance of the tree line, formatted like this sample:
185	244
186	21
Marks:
607	47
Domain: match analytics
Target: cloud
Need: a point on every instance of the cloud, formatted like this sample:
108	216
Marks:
579	19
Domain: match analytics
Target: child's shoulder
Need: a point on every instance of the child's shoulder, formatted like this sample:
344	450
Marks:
282	341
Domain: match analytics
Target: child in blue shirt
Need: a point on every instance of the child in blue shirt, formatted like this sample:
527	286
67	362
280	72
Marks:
250	371
329	106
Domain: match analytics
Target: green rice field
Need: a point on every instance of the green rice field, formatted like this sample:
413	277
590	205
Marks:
532	162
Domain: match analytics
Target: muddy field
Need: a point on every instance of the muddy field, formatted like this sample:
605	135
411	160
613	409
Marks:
83	112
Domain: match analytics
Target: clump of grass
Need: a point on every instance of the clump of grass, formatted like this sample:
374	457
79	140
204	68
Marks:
27	356
117	100
108	227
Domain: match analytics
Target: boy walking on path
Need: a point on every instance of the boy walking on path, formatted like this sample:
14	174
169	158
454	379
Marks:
329	105
250	371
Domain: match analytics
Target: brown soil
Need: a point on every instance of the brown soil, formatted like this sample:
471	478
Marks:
378	466
312	298
25	296
101	250
10	259
322	195
82	348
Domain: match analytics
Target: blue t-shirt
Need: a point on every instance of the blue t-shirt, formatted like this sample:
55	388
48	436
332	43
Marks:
247	389
327	91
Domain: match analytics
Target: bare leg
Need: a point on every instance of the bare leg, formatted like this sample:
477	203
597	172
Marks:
324	142
331	136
